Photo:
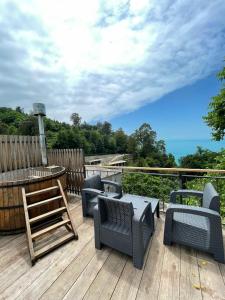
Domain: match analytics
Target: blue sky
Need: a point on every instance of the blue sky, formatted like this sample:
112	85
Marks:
125	61
177	115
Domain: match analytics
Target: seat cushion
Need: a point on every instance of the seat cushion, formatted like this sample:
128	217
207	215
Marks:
113	195
116	227
116	236
192	230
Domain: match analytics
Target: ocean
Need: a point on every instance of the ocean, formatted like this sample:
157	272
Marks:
181	148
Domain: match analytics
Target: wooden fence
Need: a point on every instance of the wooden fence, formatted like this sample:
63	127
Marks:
73	161
19	152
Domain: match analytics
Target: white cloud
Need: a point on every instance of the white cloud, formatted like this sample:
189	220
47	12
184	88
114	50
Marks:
104	58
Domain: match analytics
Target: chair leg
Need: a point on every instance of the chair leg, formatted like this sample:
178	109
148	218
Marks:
219	257
98	244
167	241
138	262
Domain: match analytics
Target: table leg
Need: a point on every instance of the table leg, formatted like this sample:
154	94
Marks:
157	211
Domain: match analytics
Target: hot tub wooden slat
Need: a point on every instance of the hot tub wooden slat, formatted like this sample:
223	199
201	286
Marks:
1	211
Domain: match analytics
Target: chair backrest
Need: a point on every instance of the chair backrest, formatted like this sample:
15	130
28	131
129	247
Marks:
116	211
211	198
93	182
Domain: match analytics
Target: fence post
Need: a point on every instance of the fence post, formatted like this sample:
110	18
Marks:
181	184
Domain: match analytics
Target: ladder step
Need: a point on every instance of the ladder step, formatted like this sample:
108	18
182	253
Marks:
50	228
42	191
69	236
44	202
48	214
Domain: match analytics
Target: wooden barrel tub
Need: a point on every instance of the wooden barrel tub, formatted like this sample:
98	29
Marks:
11	202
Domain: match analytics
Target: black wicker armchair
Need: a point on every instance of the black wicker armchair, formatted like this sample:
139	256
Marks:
127	229
197	227
94	186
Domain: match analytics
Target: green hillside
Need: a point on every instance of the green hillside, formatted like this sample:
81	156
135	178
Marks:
147	150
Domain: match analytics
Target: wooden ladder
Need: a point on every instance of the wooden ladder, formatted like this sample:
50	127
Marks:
44	226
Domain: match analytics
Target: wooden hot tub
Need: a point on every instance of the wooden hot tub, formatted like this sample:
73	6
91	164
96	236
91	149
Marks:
11	202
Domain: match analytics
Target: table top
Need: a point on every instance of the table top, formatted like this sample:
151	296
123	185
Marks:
140	202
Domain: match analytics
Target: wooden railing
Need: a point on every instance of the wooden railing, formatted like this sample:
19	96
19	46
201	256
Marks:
166	170
183	177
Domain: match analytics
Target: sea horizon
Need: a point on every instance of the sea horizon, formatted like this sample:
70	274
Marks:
183	147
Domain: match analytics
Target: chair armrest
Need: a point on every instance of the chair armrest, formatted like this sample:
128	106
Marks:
93	192
201	211
115	184
185	193
137	218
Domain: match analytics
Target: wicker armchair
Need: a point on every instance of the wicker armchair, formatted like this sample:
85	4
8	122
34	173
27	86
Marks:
118	225
94	186
197	227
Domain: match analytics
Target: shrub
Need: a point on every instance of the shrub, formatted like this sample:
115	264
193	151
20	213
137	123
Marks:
149	185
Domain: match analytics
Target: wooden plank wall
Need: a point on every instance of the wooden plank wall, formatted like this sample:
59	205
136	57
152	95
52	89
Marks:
19	152
73	161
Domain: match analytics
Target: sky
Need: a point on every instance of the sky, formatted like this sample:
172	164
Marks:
177	115
121	61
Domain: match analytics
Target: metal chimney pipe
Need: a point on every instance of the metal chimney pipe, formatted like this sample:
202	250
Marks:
40	112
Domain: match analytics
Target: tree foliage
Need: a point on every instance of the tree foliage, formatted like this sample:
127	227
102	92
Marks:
201	159
216	116
94	139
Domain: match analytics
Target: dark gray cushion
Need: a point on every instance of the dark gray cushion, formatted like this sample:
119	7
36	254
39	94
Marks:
189	227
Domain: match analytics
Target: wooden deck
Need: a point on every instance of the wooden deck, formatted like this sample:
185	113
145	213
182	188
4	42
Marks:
78	271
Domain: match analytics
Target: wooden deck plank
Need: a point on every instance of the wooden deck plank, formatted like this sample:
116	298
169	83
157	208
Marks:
82	284
77	270
189	276
103	285
16	261
53	271
149	286
11	251
5	239
222	270
66	280
170	277
212	284
222	266
128	284
20	274
20	287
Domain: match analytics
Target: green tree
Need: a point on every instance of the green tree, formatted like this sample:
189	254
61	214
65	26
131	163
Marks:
145	138
76	119
201	159
106	128
216	116
132	146
121	141
29	126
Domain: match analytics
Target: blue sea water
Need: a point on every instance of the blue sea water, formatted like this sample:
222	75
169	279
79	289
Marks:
181	148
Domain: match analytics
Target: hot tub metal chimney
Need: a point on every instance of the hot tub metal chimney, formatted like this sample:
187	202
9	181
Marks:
39	111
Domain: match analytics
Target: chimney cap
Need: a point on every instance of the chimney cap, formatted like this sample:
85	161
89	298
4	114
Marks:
39	109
